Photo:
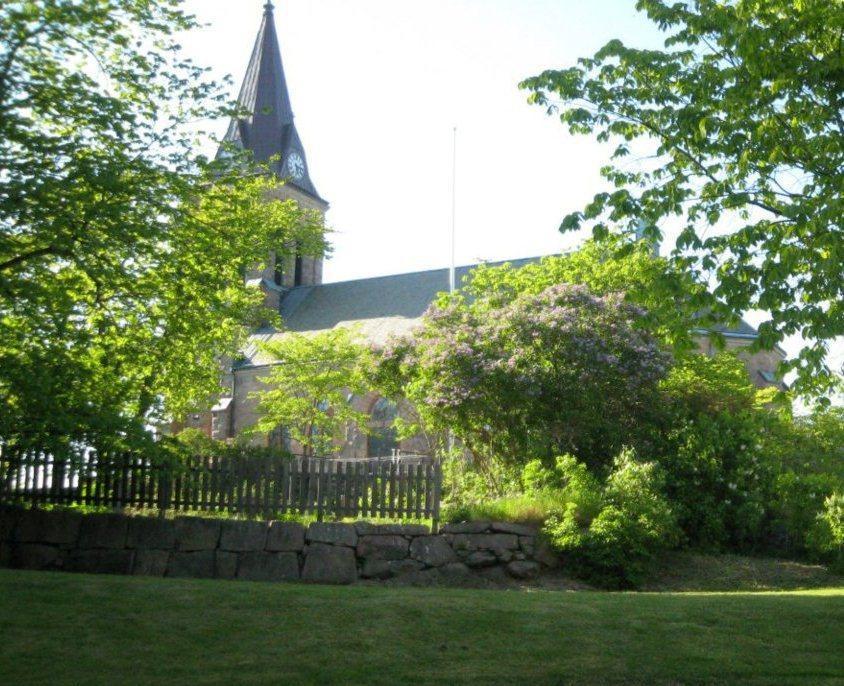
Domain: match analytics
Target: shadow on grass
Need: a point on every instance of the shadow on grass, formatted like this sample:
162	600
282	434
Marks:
72	629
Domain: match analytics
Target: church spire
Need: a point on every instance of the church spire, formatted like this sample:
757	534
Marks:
268	129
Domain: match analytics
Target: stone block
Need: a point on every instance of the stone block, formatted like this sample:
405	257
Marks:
199	564
151	562
286	537
243	536
527	543
8	521
433	551
389	547
151	533
35	556
493	542
57	527
376	569
333	533
225	565
197	534
263	566
481	558
511	528
454	574
369	529
523	569
385	569
455	570
103	531
329	564
496	575
99	561
466	528
545	554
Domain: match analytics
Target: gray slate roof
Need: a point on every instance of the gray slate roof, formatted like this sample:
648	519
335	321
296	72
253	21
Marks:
269	131
379	307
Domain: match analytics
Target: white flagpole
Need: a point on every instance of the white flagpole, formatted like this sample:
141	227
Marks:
452	275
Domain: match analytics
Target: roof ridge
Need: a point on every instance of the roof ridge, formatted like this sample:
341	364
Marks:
496	263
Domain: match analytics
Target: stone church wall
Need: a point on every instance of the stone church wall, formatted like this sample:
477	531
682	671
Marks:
244	407
269	551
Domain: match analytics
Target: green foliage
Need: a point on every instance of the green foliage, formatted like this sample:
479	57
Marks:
610	532
796	501
811	443
665	293
310	386
742	112
709	445
122	251
826	538
562	370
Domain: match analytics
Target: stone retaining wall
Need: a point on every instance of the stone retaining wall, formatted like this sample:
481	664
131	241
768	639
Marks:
267	551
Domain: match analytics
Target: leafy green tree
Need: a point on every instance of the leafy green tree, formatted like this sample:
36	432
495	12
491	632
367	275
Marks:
740	117
310	386
122	251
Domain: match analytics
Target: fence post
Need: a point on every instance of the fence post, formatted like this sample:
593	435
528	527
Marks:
320	486
438	481
163	491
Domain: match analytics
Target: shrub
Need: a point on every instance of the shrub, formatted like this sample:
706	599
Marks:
559	371
826	537
610	533
717	476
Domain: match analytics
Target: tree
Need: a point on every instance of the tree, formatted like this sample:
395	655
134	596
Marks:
743	110
541	375
122	250
666	295
310	386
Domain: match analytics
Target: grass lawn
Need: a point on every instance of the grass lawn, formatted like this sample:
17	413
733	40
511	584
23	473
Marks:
71	629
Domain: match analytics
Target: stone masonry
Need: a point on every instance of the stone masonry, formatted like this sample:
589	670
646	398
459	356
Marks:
327	553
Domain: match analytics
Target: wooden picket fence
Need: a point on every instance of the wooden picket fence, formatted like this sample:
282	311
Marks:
267	486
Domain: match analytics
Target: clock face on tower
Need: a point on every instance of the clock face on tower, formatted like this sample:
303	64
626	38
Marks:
295	166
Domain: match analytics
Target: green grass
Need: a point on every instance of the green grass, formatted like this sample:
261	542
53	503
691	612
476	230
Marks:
523	509
68	629
690	571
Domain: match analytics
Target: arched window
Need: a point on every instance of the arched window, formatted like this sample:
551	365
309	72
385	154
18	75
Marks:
382	439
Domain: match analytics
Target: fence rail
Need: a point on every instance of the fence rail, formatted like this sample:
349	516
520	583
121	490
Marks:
252	485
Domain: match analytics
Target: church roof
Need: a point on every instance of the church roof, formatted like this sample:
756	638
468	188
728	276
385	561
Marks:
379	308
268	130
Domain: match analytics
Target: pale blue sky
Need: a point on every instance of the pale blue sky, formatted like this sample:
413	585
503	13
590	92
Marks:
378	85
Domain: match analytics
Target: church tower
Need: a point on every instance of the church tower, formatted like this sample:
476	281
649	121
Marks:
269	132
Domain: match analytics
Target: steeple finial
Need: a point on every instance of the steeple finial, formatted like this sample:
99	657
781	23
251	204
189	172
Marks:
267	127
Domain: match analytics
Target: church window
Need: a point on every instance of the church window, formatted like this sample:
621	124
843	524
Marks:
383	441
298	274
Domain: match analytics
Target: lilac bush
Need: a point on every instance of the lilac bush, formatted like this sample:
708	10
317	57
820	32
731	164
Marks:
561	371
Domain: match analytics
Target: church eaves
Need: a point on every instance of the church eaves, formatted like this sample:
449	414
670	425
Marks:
268	130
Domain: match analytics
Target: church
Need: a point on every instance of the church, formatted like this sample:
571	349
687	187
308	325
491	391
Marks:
378	307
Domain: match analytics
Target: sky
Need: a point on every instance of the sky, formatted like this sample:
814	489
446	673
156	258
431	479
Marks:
378	87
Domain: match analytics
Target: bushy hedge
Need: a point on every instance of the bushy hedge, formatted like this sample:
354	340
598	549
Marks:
610	532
